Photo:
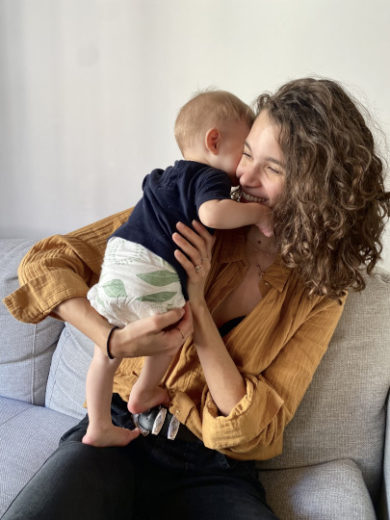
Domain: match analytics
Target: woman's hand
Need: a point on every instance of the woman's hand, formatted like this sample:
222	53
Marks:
159	334
194	256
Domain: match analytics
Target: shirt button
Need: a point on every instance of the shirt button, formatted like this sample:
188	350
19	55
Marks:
177	412
266	283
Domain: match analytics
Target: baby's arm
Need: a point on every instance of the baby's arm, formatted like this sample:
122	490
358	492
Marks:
229	214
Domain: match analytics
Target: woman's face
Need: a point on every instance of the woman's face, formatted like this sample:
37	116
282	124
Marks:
261	170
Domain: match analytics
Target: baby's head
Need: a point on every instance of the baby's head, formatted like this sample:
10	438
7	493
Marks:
211	128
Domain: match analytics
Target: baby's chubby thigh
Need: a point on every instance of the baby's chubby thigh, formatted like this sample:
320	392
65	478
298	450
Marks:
134	283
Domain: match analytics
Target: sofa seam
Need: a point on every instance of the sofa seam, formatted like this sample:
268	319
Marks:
48	398
14	416
33	366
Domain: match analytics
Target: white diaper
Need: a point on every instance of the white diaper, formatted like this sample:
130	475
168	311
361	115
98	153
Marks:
134	283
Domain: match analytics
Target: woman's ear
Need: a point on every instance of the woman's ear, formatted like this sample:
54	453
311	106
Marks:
213	140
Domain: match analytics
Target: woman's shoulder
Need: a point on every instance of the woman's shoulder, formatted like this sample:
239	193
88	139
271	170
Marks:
104	226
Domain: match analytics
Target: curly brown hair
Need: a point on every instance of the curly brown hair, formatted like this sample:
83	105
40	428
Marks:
334	207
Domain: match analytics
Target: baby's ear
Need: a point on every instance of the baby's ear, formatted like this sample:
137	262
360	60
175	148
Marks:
213	140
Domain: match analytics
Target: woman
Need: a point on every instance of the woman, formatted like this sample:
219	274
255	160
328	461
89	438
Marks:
276	301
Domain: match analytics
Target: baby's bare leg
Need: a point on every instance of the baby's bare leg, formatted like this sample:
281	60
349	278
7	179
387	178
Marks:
146	393
101	432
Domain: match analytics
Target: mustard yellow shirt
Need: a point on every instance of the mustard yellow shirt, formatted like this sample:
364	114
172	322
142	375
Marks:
277	347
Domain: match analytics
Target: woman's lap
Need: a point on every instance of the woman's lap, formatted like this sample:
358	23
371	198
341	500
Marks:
214	497
149	479
199	483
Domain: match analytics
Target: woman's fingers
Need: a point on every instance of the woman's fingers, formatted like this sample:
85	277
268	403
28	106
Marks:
194	255
197	245
208	238
156	334
195	239
177	334
153	324
193	252
173	318
167	319
187	264
186	325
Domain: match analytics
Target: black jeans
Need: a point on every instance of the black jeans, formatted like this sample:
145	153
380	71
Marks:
150	479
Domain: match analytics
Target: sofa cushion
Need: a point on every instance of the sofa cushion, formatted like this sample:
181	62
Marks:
331	491
342	416
22	427
65	391
25	350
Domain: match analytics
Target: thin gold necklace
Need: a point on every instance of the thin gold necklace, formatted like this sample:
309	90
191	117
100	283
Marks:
256	261
254	248
260	272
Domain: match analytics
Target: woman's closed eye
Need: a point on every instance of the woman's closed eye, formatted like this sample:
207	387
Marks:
274	170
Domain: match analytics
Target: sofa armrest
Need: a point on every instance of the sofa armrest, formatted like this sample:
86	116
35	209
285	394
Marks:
25	349
327	491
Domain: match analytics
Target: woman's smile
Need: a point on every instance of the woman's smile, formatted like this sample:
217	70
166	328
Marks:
247	197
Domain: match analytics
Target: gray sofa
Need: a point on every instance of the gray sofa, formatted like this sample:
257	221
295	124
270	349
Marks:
336	459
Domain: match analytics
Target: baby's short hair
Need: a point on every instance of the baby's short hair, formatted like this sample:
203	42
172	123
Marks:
208	109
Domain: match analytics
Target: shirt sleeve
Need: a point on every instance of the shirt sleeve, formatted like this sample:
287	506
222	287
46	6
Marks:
258	421
59	268
213	185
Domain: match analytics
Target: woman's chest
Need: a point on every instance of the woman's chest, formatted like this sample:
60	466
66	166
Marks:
241	300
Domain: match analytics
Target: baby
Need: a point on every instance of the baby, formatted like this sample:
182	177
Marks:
140	275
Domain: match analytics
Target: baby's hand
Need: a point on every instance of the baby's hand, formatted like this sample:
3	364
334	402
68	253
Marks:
266	221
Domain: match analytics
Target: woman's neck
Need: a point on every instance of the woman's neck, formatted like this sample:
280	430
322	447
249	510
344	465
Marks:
257	243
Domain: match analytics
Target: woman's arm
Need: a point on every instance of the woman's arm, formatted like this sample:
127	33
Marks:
226	384
224	380
254	426
59	268
146	337
55	276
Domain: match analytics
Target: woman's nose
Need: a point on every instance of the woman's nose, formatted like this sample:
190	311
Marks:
247	176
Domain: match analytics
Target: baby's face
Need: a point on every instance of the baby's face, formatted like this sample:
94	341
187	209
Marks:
231	148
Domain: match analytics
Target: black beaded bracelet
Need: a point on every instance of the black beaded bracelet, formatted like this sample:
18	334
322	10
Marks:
108	342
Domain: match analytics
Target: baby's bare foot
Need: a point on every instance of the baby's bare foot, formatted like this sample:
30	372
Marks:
111	436
142	400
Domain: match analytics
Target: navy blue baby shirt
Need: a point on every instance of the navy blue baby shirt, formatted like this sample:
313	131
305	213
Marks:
170	196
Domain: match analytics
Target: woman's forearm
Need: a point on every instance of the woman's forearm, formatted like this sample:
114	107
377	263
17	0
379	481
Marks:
226	385
144	337
78	312
223	378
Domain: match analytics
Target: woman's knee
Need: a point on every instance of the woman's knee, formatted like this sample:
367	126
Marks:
79	482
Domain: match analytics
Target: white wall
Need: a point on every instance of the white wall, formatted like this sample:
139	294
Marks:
89	89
